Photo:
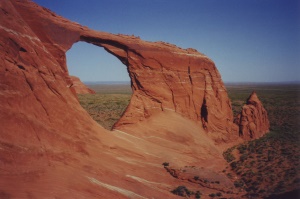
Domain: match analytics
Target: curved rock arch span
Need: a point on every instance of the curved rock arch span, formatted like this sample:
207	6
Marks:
164	77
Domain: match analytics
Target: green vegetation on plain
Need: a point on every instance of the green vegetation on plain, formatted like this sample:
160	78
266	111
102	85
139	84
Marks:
269	165
108	104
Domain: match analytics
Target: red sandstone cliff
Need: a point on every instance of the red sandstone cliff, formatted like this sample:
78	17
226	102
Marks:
80	87
164	77
50	146
253	120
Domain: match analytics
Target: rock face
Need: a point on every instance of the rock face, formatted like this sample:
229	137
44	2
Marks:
51	147
80	87
164	77
253	120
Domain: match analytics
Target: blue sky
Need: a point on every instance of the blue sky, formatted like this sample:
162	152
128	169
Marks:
249	40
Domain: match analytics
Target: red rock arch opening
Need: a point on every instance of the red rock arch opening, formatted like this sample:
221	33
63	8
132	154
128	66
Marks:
92	63
103	84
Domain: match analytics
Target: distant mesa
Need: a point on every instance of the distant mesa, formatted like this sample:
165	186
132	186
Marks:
80	87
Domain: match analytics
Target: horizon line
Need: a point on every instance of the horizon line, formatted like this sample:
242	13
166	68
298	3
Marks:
225	82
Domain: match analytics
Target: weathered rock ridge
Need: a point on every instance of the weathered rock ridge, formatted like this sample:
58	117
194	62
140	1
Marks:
80	87
51	148
253	120
164	77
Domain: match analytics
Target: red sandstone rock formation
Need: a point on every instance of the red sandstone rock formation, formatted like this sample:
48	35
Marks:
80	87
50	146
164	77
253	120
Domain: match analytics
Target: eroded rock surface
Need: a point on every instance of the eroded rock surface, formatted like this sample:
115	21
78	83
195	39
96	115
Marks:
253	120
51	147
80	87
164	77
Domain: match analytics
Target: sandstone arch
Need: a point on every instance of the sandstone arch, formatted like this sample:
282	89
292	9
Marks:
50	147
163	77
